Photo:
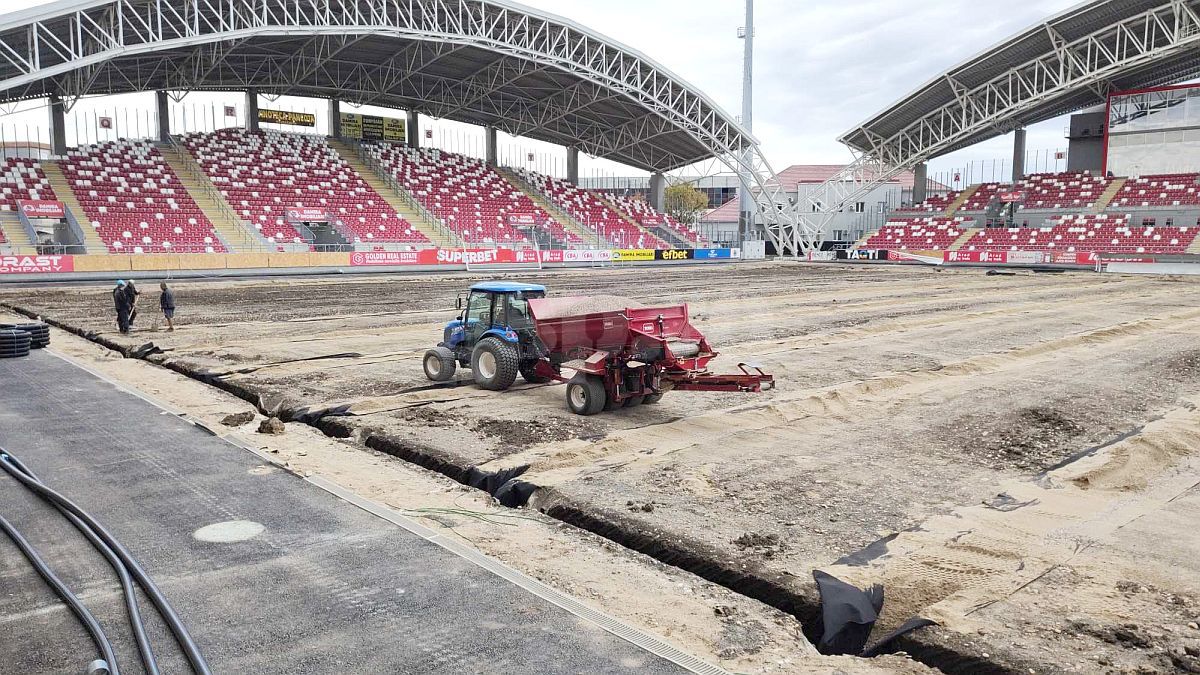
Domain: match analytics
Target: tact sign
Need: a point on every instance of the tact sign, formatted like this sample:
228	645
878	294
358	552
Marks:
41	208
36	264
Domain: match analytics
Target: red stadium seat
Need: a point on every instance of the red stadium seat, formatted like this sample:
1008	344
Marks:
469	197
918	234
135	202
591	212
266	173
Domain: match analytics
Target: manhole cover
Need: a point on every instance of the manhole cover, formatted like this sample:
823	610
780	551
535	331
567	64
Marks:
229	531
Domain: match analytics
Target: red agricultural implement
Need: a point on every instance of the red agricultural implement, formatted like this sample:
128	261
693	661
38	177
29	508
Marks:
630	356
621	356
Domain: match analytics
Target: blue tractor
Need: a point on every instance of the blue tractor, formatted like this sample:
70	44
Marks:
493	335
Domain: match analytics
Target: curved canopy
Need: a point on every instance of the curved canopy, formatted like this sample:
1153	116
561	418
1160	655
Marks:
485	62
1068	62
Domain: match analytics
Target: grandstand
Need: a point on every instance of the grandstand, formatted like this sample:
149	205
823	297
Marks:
1070	211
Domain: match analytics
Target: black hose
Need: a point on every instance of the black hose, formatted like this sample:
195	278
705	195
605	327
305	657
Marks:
85	617
182	636
127	587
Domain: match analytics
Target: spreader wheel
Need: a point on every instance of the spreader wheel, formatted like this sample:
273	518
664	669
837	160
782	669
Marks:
651	399
586	395
634	401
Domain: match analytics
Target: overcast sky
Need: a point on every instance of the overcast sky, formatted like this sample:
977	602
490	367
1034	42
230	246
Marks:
821	66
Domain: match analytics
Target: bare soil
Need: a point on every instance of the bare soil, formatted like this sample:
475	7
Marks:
905	396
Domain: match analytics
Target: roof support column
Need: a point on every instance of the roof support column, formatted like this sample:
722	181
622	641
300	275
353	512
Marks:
920	183
413	130
252	109
1018	156
658	191
58	126
335	118
163	116
573	165
491	145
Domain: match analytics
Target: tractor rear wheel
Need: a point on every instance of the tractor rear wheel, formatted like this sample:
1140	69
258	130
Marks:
440	364
494	363
586	395
529	373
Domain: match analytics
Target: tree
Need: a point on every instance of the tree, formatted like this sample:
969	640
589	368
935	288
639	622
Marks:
685	203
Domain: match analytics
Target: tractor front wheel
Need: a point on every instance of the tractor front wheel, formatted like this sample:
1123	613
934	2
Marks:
586	395
440	364
494	364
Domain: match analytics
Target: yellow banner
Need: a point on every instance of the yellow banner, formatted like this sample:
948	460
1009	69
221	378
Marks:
373	128
633	254
283	117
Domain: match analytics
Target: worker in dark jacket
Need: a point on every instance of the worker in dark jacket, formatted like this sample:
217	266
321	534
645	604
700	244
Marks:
132	293
166	302
121	301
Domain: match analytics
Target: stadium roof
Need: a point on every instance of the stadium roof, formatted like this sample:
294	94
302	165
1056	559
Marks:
1067	62
486	62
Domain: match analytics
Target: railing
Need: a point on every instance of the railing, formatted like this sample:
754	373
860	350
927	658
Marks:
193	168
382	172
75	228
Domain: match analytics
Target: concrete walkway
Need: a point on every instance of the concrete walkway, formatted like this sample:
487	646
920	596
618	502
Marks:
320	585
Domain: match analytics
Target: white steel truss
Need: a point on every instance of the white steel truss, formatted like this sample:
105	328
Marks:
619	105
1085	65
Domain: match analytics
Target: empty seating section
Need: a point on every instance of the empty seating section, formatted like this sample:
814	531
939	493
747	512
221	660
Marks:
640	211
22	178
593	213
135	202
918	234
1149	191
934	204
469	197
264	174
1063	190
983	196
1091	233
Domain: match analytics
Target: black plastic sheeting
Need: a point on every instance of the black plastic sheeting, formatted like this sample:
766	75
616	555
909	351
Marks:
504	485
848	615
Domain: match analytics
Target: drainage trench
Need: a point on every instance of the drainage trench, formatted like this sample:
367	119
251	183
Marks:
933	646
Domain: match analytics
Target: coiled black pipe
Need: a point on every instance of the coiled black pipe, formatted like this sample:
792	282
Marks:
85	617
191	651
131	603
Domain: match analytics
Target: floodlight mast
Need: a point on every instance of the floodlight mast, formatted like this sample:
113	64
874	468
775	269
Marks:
746	199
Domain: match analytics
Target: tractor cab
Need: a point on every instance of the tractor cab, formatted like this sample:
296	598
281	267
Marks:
493	335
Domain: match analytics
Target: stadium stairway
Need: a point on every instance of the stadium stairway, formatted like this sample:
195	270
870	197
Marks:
673	240
962	198
236	236
66	194
1108	196
968	235
543	202
404	204
12	235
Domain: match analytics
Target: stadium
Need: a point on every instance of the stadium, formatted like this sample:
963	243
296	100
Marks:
388	401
